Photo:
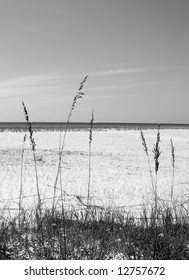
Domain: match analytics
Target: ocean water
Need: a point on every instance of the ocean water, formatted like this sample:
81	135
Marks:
17	126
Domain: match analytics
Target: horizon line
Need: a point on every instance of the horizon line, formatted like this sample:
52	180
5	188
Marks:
59	122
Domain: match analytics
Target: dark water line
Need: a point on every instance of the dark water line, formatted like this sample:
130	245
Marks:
20	126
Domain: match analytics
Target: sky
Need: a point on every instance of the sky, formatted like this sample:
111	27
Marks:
135	53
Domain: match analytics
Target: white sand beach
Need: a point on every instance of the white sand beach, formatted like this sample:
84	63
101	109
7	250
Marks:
120	175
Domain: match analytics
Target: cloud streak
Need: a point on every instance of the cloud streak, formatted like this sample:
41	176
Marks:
123	71
60	85
35	86
113	90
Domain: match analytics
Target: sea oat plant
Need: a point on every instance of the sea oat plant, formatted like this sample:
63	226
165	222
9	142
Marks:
63	240
33	144
21	177
156	151
147	154
78	95
173	166
90	143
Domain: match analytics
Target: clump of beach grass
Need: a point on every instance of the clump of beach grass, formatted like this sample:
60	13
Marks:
97	234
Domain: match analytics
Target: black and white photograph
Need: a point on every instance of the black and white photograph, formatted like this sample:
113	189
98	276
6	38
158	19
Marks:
94	131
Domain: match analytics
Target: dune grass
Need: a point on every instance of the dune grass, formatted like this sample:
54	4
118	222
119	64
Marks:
160	232
96	235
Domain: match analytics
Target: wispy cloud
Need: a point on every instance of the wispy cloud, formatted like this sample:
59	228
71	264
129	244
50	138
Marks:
112	89
122	71
117	72
59	86
35	86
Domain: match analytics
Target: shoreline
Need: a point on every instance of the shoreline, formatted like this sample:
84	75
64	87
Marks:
56	126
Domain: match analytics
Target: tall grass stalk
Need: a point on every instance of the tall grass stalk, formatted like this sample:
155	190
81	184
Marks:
147	154
156	151
63	239
78	95
90	142
21	183
173	166
33	144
